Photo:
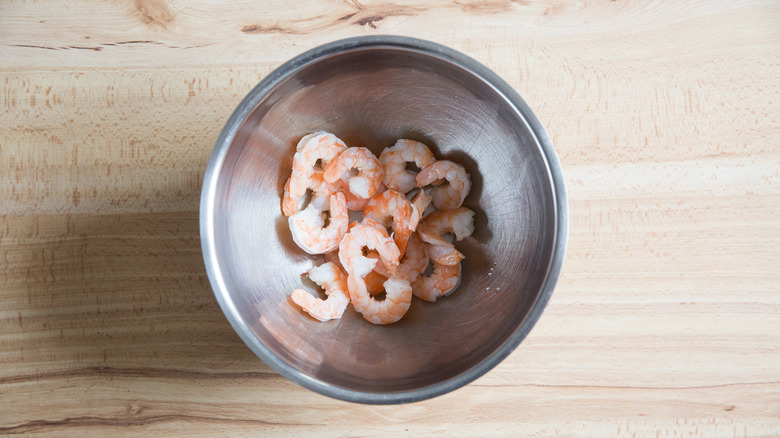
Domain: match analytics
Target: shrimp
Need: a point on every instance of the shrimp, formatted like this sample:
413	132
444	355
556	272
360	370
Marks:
369	177
321	192
445	254
432	229
421	200
411	266
370	236
391	206
415	259
375	282
309	230
290	205
376	278
397	300
448	196
330	278
394	160
442	282
355	202
319	146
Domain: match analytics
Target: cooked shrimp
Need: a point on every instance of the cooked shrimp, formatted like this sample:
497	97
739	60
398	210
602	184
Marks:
375	282
374	279
355	202
445	254
448	196
319	146
309	230
422	200
395	305
442	282
379	268
320	197
368	178
394	160
432	229
411	266
334	282
363	235
393	207
290	205
415	260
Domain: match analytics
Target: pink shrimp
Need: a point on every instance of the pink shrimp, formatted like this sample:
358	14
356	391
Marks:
290	205
422	200
375	282
442	282
415	260
393	207
334	282
397	300
394	160
368	178
320	197
432	229
308	226
411	266
364	235
355	202
319	146
447	196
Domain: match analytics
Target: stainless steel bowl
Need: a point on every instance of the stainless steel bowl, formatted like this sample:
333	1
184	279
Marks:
370	91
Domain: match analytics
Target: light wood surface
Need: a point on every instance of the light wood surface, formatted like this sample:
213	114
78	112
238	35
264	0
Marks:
665	322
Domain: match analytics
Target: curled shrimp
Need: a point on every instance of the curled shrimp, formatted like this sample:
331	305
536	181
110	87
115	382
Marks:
415	259
397	300
369	177
443	281
433	228
321	192
364	235
393	207
308	226
397	176
334	282
374	280
319	146
422	200
411	266
446	196
290	205
355	202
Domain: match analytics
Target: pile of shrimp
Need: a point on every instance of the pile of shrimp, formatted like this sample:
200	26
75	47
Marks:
398	246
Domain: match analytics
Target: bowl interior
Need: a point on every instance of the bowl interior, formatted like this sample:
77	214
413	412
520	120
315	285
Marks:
371	97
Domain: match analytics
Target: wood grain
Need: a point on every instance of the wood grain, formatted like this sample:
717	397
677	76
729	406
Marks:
666	321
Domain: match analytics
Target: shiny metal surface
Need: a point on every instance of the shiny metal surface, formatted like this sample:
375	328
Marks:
371	91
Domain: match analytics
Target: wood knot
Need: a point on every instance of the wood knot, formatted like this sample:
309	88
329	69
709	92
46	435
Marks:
154	12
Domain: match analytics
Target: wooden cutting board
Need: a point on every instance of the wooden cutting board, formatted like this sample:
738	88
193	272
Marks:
665	322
